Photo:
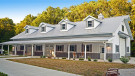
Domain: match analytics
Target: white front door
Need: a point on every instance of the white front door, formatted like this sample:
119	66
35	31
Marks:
122	47
101	52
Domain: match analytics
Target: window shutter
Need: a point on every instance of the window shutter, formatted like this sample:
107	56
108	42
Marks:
93	23
90	47
75	47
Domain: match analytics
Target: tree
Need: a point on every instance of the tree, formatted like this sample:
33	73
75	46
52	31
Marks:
51	15
27	21
6	29
120	7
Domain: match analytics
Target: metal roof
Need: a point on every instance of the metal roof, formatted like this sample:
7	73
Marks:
108	25
72	40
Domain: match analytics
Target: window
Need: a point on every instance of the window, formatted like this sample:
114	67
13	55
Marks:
127	49
21	47
27	30
72	47
89	48
117	48
63	26
38	48
122	28
42	29
90	23
103	50
59	47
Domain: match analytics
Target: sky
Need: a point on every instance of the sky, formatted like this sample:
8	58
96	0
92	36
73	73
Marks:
18	9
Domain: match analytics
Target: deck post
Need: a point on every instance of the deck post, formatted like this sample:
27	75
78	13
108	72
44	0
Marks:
54	50
2	49
24	51
104	51
85	52
15	49
43	46
69	51
32	49
8	49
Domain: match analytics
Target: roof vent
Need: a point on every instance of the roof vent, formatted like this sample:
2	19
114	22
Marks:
100	16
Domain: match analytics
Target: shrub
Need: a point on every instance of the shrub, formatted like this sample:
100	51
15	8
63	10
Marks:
81	58
42	56
64	58
95	60
89	59
124	60
109	60
3	74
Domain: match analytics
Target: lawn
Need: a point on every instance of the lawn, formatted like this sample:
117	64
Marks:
86	68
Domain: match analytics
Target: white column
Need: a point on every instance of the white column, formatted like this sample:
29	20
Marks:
8	49
104	51
85	52
43	49
69	51
24	51
32	49
15	49
54	50
2	49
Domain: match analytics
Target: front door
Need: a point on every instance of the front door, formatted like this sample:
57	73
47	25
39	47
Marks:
49	50
101	52
28	50
122	47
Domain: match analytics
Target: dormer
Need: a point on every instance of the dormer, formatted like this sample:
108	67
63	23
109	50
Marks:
45	27
91	22
30	29
66	25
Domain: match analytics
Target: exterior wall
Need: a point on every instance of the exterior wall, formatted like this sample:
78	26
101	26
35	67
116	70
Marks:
116	41
113	55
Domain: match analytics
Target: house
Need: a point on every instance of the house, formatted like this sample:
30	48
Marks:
100	38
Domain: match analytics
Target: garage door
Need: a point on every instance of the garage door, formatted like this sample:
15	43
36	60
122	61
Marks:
122	47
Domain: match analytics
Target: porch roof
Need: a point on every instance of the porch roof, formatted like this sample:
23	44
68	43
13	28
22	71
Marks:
72	40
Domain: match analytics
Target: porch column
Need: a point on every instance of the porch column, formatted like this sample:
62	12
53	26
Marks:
43	46
104	51
32	49
85	52
69	51
54	50
8	49
24	51
15	49
2	49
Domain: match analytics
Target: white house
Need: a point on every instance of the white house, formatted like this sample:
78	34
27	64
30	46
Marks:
100	38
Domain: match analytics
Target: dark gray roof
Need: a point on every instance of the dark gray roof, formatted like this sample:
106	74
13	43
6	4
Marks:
108	25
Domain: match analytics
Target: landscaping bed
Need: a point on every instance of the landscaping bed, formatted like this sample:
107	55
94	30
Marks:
86	68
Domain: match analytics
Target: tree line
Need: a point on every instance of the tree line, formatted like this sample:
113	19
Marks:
74	13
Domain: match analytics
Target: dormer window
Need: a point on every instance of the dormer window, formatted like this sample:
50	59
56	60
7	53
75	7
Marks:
27	30
90	24
43	29
63	27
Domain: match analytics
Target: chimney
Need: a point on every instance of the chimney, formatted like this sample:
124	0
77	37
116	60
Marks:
100	16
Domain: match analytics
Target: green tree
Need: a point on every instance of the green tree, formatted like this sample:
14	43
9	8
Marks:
51	15
6	29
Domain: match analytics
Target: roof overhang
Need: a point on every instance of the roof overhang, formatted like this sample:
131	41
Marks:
72	40
123	35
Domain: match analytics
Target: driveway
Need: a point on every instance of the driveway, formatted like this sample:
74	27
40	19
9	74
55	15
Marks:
19	69
127	72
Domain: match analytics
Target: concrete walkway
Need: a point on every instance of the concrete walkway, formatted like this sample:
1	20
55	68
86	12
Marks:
127	72
19	69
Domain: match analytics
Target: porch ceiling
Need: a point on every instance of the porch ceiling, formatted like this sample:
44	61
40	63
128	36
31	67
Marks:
72	40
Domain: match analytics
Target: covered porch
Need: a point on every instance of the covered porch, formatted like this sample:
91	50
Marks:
95	48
